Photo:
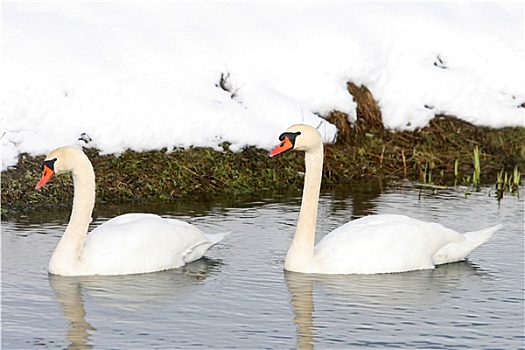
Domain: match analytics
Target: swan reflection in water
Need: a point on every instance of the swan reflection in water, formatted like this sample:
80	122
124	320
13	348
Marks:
126	293
371	294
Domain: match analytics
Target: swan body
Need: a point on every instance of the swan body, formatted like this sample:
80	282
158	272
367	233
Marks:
383	243
126	244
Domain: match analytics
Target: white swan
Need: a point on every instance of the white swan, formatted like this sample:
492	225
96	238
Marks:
126	244
373	244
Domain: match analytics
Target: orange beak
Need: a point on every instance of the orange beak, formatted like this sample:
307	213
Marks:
46	176
284	146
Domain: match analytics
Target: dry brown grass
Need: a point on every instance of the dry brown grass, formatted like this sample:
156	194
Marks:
364	149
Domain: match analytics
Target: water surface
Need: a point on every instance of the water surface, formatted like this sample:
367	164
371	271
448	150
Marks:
240	297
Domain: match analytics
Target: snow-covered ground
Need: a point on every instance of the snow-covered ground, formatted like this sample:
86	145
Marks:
147	75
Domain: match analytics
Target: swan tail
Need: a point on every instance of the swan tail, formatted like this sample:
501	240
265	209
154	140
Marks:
477	238
215	238
197	252
459	251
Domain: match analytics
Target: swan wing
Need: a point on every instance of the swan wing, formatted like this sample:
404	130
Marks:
383	244
140	243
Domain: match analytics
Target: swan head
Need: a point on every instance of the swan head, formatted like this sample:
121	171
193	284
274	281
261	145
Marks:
299	137
61	160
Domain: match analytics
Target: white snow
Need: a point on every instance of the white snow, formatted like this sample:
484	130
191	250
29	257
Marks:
145	76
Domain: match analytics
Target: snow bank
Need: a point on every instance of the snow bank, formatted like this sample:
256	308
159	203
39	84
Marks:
146	76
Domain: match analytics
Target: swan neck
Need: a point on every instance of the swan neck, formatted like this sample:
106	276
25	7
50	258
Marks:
302	248
83	200
68	251
84	196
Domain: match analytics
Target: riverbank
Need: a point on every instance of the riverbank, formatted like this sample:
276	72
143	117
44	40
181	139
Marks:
443	153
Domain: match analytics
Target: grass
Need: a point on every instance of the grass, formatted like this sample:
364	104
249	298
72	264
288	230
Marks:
155	176
442	152
476	176
447	152
506	183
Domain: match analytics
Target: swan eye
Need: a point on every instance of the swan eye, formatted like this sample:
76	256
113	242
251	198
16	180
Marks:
290	135
50	163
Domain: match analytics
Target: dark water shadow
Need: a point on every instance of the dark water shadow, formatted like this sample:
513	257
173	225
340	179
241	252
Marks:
363	196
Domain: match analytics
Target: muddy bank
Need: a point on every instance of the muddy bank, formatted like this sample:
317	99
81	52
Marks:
442	153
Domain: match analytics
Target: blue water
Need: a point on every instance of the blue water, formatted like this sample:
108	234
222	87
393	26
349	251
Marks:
240	297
